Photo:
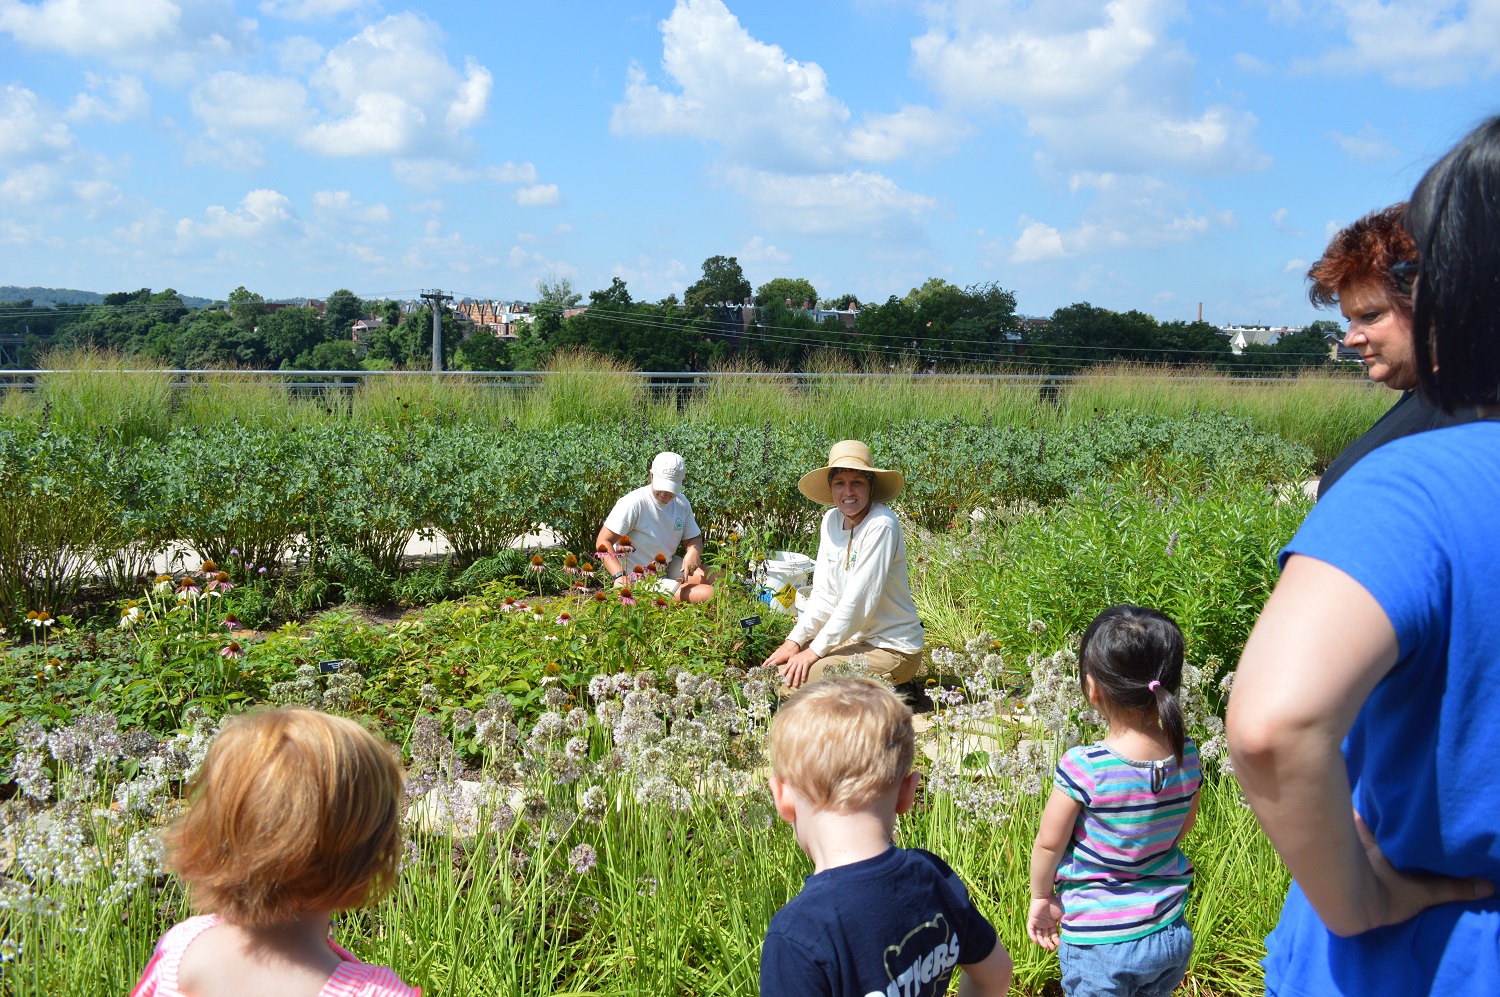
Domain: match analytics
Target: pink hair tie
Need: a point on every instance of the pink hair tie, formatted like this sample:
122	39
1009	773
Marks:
1153	685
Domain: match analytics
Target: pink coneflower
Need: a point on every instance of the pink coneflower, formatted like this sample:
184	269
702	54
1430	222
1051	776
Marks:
233	651
587	570
624	546
570	564
636	574
600	597
231	622
536	563
510	605
626	597
209	568
564	619
660	559
660	603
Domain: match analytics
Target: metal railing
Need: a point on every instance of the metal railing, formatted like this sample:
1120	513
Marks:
321	381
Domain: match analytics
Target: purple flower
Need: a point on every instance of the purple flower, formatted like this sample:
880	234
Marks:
583	859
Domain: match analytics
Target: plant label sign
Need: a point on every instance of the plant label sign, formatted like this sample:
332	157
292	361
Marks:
329	667
750	623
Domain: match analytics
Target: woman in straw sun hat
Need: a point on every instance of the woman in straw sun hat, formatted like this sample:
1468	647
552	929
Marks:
861	600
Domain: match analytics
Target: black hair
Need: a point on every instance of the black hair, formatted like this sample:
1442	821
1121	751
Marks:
1454	216
1126	649
869	475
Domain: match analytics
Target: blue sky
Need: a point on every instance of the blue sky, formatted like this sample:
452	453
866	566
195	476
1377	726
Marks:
1136	154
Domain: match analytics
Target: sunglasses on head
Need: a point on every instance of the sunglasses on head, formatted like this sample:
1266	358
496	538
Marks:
1403	273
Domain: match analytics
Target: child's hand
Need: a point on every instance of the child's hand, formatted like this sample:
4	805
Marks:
1042	921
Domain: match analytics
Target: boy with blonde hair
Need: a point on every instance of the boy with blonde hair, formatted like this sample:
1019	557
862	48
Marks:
873	920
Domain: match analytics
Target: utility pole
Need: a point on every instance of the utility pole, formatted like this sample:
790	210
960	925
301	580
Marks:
437	298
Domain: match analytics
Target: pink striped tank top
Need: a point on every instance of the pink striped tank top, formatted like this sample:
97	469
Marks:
352	978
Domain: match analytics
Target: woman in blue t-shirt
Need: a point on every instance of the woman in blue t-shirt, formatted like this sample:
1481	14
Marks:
1365	720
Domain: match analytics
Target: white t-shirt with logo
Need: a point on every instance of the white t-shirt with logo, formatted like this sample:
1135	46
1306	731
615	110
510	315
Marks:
653	528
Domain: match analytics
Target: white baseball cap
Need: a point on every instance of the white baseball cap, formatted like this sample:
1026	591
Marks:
667	472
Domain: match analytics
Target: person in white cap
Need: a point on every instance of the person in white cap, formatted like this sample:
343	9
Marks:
861	600
639	540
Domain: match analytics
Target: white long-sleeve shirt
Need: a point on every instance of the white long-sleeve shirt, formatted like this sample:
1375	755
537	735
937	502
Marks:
860	589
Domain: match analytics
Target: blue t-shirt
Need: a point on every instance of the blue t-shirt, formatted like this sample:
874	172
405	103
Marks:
1417	524
892	926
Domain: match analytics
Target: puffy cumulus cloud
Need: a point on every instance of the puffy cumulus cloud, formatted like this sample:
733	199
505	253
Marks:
110	98
855	203
1297	265
1103	85
1417	43
170	39
1128	212
335	207
538	195
765	107
390	90
42	166
783	135
29	131
757	250
235	103
262	214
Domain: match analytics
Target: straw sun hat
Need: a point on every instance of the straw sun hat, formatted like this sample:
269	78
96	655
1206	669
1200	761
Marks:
854	456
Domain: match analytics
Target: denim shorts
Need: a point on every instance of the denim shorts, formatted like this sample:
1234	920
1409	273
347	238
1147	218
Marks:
1146	967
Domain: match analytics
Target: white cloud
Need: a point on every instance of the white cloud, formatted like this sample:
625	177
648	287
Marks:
1369	145
855	203
1251	64
1279	221
28	131
29	184
787	142
235	103
261	214
763	106
392	91
1105	88
1418	43
1127	213
339	206
1294	266
538	195
431	174
110	98
757	250
171	39
308	10
511	173
297	54
912	131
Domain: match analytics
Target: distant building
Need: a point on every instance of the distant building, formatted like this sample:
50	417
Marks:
1241	336
500	317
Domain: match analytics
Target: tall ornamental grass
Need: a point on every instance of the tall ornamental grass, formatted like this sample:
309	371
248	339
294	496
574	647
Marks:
91	391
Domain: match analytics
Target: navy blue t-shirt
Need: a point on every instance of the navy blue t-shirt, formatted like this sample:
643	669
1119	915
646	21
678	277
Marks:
892	926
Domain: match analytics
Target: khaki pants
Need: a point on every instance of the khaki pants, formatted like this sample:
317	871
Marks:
893	666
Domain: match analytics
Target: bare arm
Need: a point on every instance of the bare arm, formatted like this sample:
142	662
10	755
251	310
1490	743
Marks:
1321	645
607	539
989	977
692	554
1190	819
1052	839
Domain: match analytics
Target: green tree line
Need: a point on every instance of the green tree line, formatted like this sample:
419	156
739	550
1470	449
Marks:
937	326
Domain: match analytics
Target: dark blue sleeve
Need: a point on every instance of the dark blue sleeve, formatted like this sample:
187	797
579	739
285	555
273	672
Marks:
789	969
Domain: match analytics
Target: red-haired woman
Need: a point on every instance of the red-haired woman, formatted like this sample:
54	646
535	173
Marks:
1366	271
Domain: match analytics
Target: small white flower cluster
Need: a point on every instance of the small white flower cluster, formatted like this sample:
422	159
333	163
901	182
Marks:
992	746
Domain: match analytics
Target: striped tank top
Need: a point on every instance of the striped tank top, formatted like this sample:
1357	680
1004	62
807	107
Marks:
352	978
1123	876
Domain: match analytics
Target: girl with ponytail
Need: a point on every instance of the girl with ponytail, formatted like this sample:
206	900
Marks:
1109	880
